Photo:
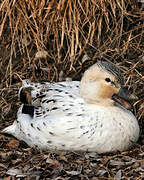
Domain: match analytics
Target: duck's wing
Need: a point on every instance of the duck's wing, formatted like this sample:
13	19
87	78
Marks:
55	128
52	126
57	117
38	93
45	99
30	91
50	104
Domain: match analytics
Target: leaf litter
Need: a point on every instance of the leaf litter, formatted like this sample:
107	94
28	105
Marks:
53	40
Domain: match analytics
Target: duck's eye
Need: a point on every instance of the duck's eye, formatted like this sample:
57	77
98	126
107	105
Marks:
107	80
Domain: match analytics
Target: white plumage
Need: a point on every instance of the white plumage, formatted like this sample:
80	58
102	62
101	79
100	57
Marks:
76	115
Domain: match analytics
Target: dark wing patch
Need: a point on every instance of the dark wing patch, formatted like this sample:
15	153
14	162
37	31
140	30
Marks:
25	95
28	109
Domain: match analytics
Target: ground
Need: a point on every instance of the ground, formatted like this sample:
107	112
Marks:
18	161
69	38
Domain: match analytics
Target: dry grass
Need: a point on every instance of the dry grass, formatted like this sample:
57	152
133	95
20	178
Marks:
39	38
64	31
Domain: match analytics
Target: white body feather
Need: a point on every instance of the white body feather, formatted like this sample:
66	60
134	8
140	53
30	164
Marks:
64	121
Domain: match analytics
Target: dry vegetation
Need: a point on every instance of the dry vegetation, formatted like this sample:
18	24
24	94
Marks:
38	40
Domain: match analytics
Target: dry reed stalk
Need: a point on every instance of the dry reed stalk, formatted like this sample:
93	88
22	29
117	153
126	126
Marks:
112	30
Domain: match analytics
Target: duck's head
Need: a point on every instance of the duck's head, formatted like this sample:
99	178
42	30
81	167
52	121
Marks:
103	84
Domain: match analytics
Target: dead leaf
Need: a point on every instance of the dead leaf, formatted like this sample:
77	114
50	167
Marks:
14	172
53	162
62	157
101	172
13	143
91	155
75	173
49	161
116	163
7	178
118	175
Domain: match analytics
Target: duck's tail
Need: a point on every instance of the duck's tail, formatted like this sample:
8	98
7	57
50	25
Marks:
29	91
25	95
10	129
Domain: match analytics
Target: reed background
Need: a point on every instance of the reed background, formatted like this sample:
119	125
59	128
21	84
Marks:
44	40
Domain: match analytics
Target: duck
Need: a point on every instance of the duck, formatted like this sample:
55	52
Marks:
90	115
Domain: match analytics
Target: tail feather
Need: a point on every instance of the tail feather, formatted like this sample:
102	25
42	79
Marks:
10	129
28	109
25	95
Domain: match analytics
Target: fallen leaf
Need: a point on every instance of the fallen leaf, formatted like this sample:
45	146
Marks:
118	175
62	157
53	162
13	143
75	173
101	172
116	163
14	172
91	155
49	161
7	178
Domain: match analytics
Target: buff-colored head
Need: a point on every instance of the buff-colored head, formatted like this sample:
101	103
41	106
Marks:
100	83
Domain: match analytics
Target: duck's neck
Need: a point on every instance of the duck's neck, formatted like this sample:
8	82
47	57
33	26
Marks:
100	102
91	94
